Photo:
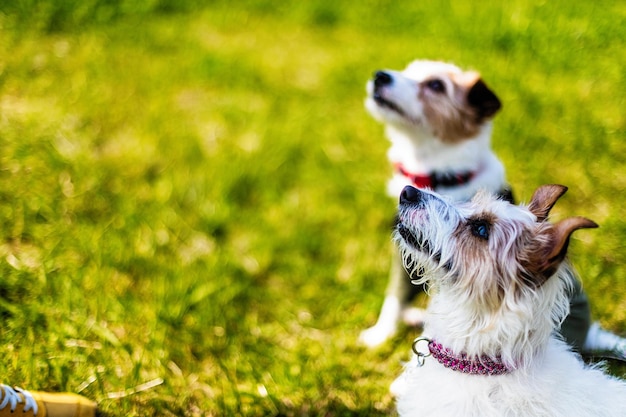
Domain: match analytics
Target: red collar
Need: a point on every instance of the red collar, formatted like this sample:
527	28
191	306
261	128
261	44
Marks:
436	179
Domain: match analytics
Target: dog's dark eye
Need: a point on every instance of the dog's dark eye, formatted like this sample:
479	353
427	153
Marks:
436	85
480	229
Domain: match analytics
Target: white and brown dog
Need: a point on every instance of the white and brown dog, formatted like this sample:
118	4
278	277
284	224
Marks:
438	119
500	286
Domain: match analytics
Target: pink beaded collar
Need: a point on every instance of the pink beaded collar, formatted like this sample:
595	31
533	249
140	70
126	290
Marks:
483	365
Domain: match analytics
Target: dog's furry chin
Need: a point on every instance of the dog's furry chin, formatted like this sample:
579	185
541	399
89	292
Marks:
500	285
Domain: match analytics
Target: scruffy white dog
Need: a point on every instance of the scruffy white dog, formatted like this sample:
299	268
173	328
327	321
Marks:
499	282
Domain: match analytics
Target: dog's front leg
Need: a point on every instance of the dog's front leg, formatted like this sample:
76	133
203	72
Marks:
396	307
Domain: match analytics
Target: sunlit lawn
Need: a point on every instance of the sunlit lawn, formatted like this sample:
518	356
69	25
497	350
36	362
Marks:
192	204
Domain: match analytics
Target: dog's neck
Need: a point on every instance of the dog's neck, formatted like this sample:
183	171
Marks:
420	152
513	334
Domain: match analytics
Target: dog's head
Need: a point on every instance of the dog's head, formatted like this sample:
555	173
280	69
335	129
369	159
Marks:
500	283
487	248
434	97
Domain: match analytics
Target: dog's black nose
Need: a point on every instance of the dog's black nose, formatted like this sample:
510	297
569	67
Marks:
410	195
382	78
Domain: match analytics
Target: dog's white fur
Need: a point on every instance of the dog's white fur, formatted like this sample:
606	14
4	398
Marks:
500	296
438	119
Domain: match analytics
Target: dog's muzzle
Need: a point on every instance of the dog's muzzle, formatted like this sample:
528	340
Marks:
411	196
414	198
381	80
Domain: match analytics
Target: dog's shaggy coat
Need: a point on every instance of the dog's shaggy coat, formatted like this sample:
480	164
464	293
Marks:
499	283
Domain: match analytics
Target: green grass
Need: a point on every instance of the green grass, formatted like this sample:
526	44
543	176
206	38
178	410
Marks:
192	196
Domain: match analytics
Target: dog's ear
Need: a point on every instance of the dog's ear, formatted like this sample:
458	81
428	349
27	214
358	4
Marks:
557	243
481	98
544	199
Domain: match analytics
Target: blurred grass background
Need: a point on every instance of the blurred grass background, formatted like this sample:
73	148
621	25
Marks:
192	200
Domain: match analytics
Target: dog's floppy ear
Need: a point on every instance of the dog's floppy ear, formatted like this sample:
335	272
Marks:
481	98
556	245
544	199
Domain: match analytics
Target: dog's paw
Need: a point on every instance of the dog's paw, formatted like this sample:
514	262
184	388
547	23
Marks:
414	316
376	336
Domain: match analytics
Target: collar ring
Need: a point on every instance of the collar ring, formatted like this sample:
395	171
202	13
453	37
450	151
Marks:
421	356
